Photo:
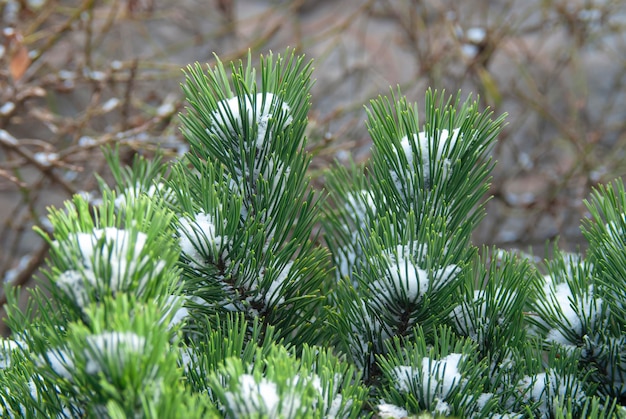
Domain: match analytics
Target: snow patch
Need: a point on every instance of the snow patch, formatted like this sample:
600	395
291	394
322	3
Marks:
231	114
429	151
107	346
391	411
198	238
109	258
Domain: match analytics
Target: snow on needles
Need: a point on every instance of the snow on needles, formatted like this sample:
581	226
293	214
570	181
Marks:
253	397
391	411
101	351
433	383
110	258
574	313
61	362
359	207
107	347
359	204
263	397
429	151
7	346
405	281
230	116
199	239
470	317
549	389
131	194
273	294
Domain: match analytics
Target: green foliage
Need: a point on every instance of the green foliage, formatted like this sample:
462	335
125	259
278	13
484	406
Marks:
223	285
605	349
445	378
494	297
410	212
316	385
248	175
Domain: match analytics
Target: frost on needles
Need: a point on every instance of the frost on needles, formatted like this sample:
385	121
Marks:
223	285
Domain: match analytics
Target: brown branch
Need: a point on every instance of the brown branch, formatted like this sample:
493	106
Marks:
25	274
11	144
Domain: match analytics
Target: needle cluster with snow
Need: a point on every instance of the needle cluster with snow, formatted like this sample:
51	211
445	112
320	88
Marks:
235	113
405	281
199	239
428	153
111	260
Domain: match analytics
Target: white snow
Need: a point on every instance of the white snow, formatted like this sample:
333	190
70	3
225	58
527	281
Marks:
110	104
483	399
476	35
405	376
548	388
120	249
229	114
346	258
359	202
7	346
189	360
129	195
61	362
446	275
442	408
181	313
466	322
7	108
45	159
73	284
405	280
391	411
254	398
441	376
7	138
273	292
165	109
106	346
538	391
333	410
616	230
469	51
86	141
570	311
435	380
428	152
198	238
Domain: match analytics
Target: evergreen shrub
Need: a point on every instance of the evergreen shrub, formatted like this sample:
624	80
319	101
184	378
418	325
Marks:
223	285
